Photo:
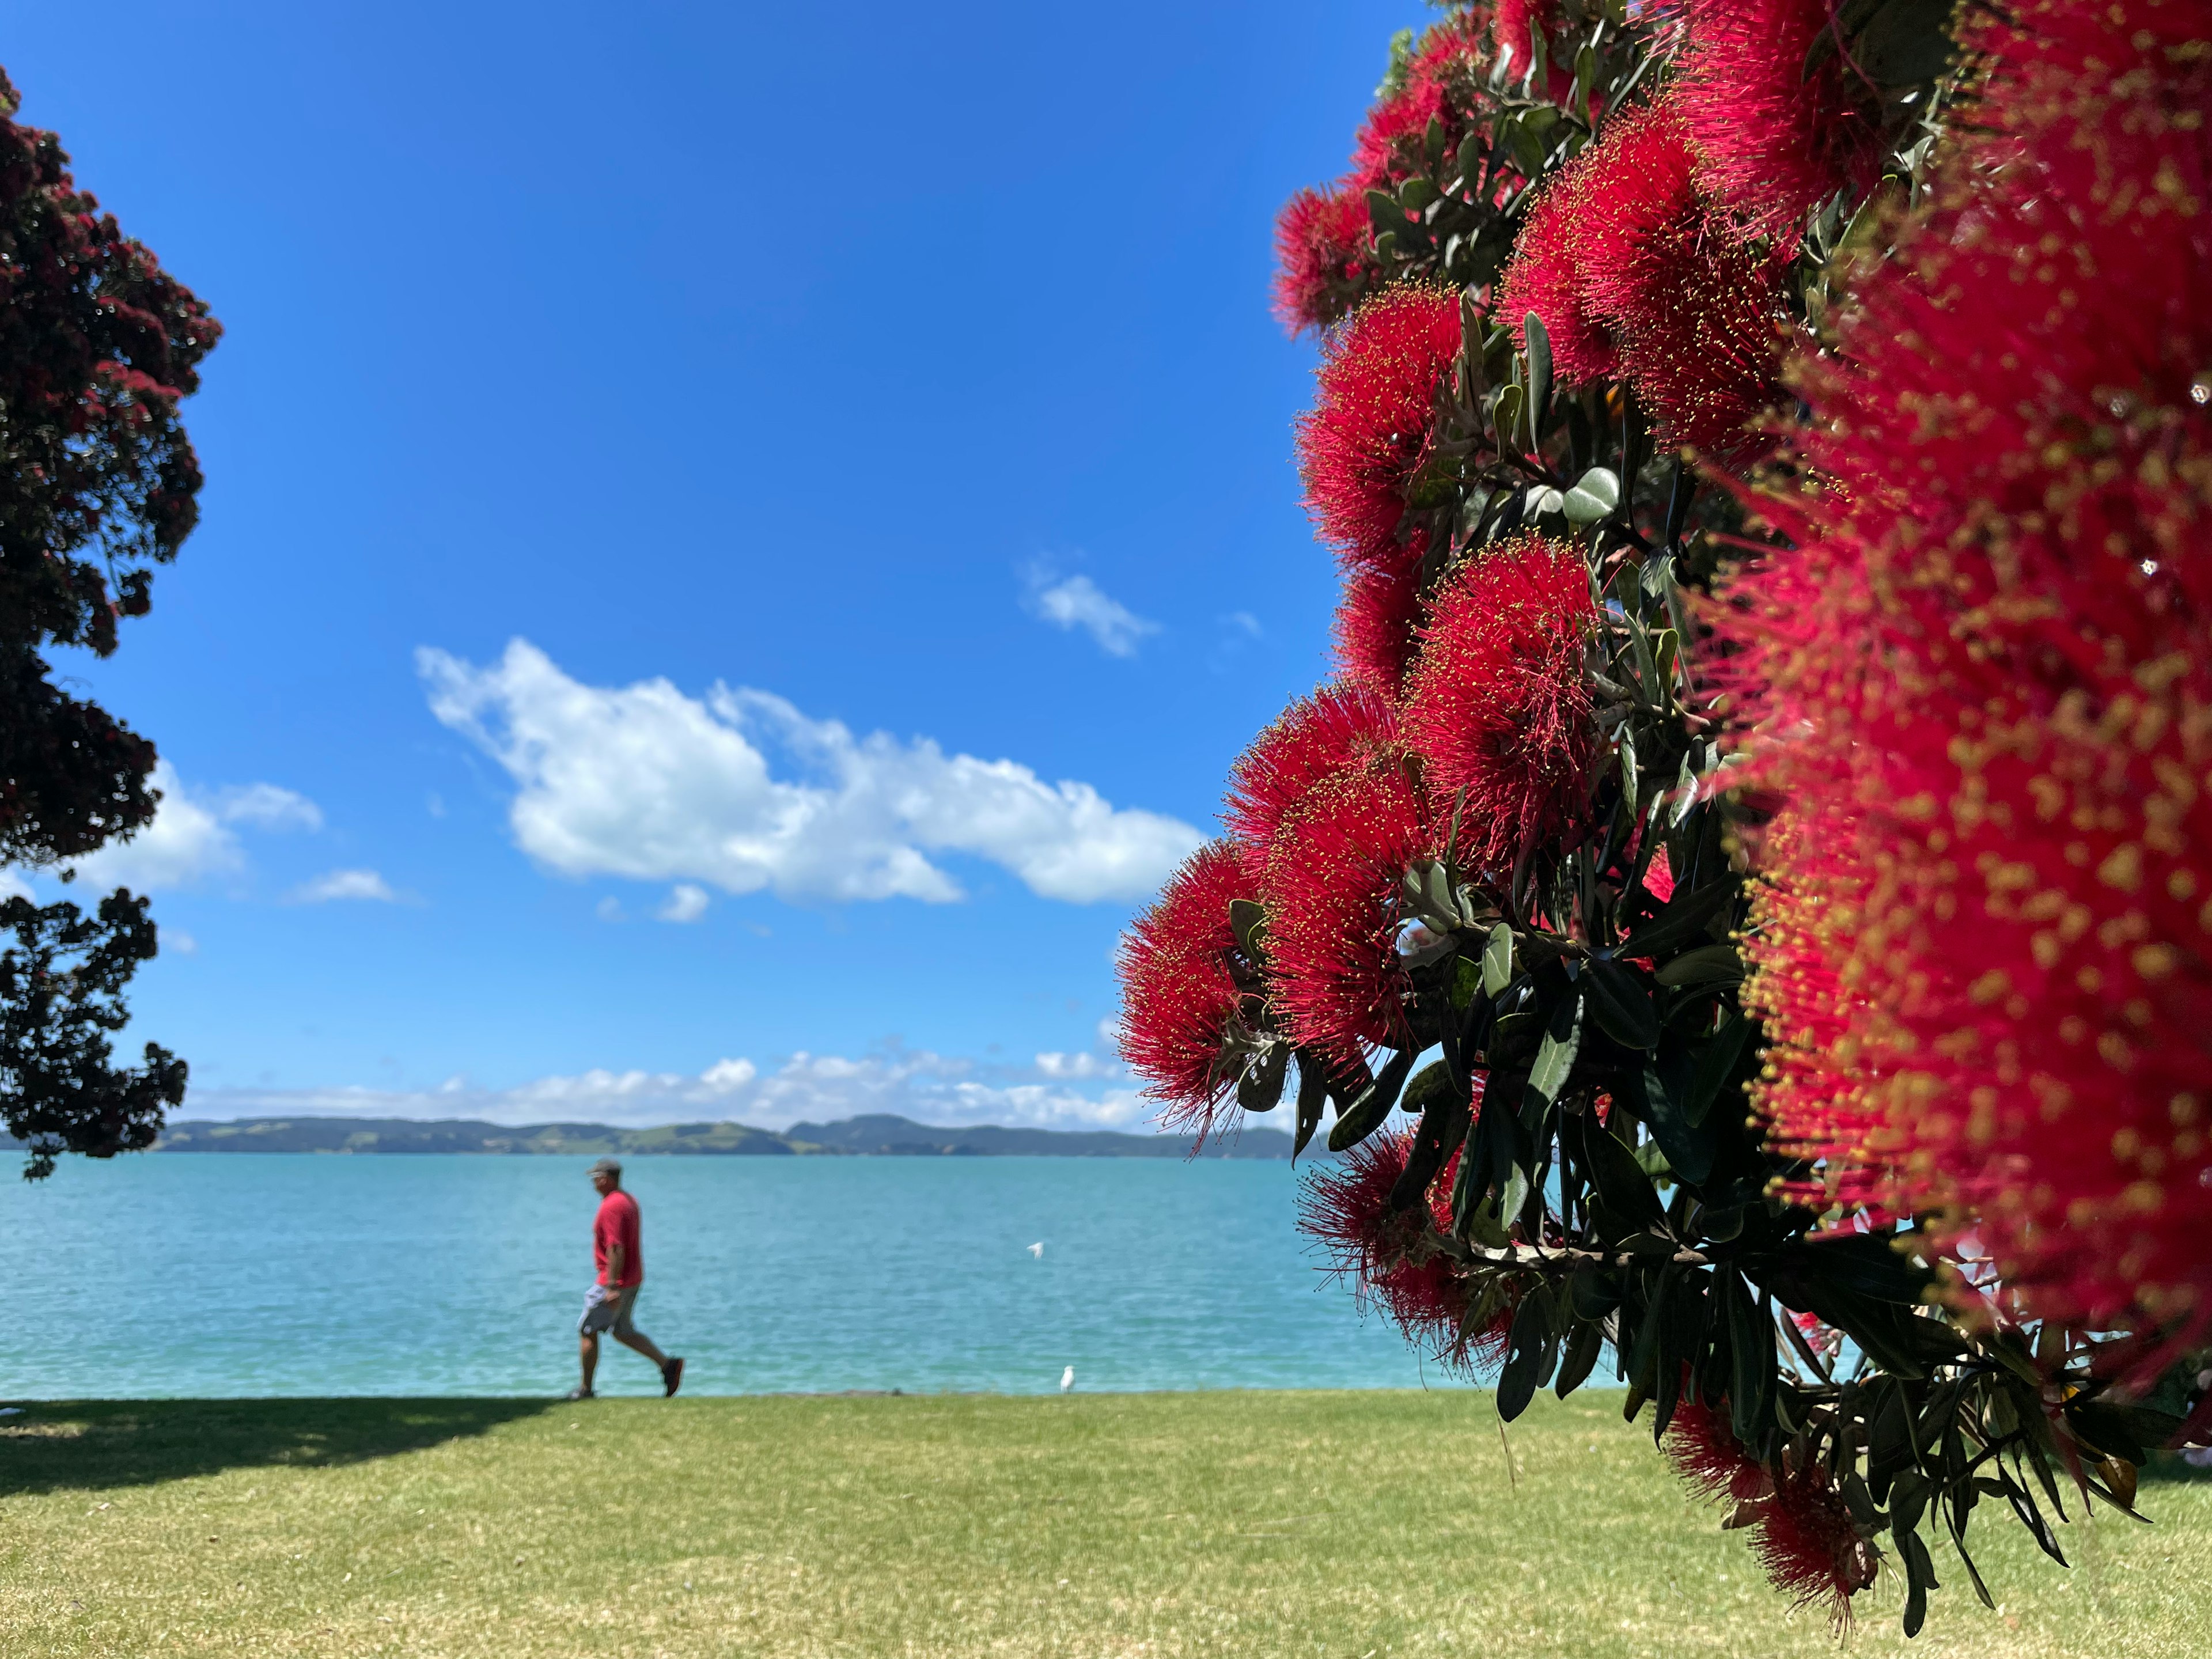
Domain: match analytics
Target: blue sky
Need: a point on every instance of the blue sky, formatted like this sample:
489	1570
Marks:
739	542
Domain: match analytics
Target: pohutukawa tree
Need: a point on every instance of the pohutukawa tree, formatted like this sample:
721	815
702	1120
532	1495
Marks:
1769	760
97	484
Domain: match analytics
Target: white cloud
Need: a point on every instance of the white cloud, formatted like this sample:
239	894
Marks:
645	783
1075	1067
177	939
685	903
927	1087
191	836
1077	602
610	909
345	884
267	806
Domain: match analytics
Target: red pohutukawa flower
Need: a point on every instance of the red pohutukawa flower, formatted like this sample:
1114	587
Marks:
1332	881
1624	242
1186	985
1546	277
1984	687
1772	142
1499	705
1339	728
1376	632
1802	1531
1346	1207
1369	430
1324	255
1324	237
1446	81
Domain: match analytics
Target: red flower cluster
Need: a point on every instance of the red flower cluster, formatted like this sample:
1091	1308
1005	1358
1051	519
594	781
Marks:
1324	242
1635	270
1323	254
1332	911
1360	448
1772	142
1346	1209
1802	1531
1369	430
1184	985
1984	686
1499	705
1375	633
1340	727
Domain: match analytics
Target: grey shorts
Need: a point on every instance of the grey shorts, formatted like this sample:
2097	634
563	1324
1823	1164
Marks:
608	1309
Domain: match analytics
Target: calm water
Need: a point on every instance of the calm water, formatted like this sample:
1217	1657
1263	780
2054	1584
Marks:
272	1275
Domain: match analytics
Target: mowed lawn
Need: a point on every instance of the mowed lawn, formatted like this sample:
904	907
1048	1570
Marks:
1353	1524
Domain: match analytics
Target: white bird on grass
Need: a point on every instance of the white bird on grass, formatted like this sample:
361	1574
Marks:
1037	1250
1067	1379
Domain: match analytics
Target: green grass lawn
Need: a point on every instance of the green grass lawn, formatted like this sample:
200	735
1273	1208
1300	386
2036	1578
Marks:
1350	1524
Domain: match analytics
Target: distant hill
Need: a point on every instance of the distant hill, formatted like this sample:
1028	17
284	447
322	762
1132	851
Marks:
877	1135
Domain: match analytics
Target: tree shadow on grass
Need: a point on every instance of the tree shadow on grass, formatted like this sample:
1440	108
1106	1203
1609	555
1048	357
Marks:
136	1442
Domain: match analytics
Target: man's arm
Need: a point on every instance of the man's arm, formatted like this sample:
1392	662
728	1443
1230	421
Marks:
614	1273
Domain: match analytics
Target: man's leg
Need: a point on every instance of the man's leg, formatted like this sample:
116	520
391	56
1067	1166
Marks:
587	1351
672	1370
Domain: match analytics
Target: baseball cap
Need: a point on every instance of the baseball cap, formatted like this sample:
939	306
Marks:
605	1166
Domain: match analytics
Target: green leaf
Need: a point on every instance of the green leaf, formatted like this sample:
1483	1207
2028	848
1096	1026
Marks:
1430	1084
1620	1182
1436	894
1261	1088
1472	151
1527	1347
1715	1062
1904	44
1248	921
1539	340
1497	960
1685	917
1919	1576
1364	1116
1621	1003
1313	1093
1595	493
1506	414
1628	756
1466	983
1580	1357
1705	965
1415	194
1555	1055
1751	1350
1384	213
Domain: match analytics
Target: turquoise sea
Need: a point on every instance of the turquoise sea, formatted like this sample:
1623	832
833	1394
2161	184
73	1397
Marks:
244	1274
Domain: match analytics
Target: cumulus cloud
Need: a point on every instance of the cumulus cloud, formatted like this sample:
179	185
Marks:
685	903
190	837
345	884
928	1087
645	783
1075	602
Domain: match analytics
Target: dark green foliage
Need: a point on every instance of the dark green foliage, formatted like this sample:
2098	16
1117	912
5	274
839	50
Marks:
62	976
97	484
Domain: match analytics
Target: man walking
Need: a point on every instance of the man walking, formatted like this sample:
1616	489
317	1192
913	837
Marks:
620	1269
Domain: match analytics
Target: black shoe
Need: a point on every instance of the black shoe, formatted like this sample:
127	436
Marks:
586	1393
671	1377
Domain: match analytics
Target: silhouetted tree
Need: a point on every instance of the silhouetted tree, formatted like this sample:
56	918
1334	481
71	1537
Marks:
97	484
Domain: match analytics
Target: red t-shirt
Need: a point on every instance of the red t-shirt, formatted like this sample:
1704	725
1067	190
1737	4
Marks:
616	1224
